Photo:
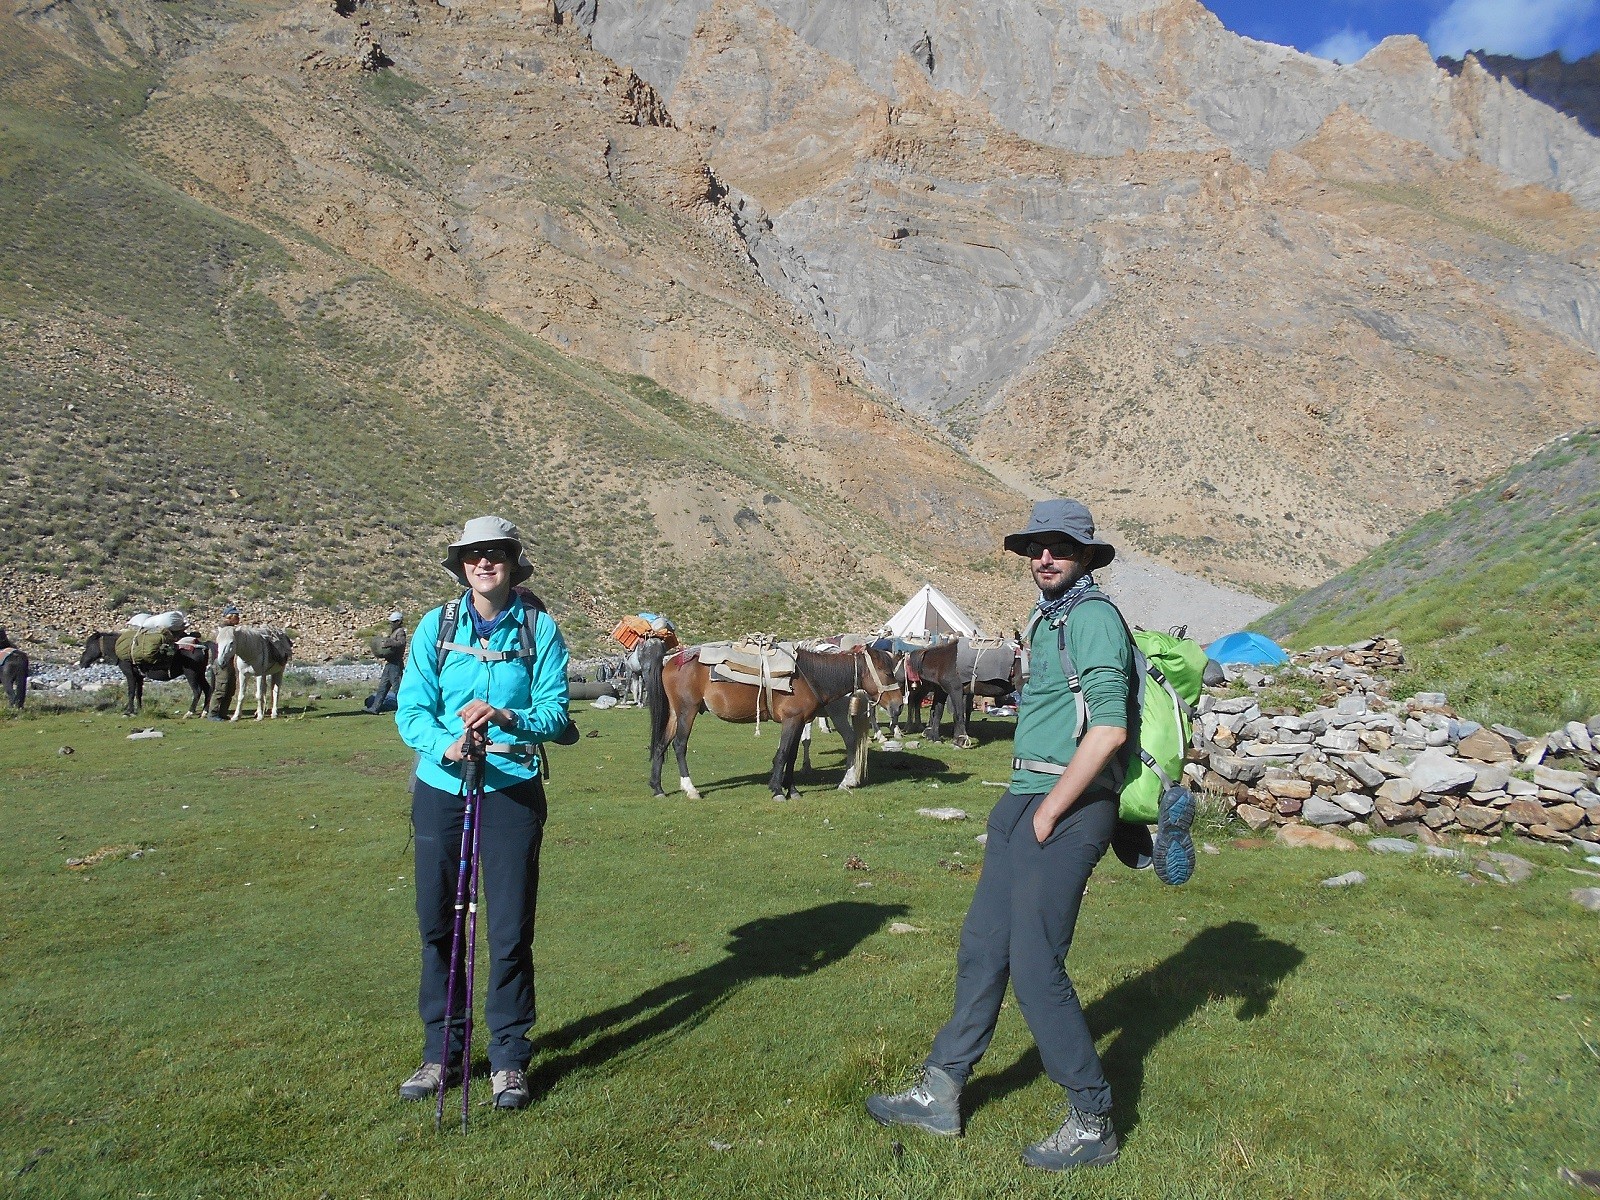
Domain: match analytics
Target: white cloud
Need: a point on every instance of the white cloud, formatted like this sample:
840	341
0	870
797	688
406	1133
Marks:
1526	28
1345	46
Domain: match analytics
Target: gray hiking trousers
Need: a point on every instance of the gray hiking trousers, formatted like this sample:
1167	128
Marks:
1019	927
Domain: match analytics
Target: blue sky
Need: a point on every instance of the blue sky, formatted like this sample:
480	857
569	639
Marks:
1346	29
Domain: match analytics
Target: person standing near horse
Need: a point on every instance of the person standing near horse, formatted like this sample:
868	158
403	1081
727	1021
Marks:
222	678
478	676
1045	836
391	649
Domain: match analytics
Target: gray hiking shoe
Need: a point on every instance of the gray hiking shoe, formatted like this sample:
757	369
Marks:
511	1089
425	1081
932	1104
1084	1140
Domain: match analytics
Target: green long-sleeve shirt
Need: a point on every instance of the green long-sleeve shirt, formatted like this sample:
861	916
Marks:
1047	718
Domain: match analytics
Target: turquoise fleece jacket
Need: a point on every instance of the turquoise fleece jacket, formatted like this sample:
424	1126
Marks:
534	689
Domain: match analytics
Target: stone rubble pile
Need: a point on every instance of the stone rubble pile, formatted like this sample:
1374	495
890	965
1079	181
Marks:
1367	763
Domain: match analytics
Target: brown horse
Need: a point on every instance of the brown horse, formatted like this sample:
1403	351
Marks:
676	688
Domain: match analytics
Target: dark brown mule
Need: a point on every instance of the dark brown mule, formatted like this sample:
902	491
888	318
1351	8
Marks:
679	686
933	672
189	664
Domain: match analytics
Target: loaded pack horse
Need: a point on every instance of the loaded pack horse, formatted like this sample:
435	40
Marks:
259	650
13	671
956	672
188	663
677	687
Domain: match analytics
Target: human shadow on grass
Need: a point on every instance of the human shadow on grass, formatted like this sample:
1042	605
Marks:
1224	961
782	947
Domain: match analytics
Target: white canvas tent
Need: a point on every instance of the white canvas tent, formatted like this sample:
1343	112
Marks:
931	611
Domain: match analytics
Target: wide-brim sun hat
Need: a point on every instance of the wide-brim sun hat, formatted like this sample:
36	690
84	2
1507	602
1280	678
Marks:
488	531
1069	518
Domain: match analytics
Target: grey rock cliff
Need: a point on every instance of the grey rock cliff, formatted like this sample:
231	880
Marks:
1139	75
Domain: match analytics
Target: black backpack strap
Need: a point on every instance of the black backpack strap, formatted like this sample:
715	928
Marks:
448	615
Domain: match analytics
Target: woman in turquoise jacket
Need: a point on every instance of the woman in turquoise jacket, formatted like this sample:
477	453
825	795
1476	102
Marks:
492	683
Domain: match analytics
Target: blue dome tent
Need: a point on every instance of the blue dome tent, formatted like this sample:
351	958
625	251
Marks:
1247	647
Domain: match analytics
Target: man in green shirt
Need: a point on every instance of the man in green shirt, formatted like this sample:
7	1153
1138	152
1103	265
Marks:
1045	836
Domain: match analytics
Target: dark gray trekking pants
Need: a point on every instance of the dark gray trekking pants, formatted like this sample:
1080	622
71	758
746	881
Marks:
1019	927
388	685
513	829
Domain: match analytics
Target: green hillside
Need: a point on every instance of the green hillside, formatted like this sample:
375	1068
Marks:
198	409
1494	596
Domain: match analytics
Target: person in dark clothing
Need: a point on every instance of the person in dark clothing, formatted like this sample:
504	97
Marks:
1046	834
222	680
391	649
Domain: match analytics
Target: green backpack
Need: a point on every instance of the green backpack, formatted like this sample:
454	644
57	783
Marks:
1171	671
147	647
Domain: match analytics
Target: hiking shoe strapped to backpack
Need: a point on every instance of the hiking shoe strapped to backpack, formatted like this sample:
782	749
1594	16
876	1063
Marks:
1173	852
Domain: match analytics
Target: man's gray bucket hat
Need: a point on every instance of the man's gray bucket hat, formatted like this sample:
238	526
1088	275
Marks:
1067	517
487	531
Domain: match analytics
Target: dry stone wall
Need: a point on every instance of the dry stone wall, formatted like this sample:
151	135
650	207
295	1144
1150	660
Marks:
1367	763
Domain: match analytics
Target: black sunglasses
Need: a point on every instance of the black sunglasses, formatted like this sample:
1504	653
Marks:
495	554
1058	547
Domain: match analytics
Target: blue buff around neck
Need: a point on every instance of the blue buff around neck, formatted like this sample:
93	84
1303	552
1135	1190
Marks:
1050	610
481	627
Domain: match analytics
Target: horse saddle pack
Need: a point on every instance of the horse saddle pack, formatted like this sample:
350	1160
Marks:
984	661
758	661
631	630
146	647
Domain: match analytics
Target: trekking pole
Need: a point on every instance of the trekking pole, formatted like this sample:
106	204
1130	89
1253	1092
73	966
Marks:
475	754
471	770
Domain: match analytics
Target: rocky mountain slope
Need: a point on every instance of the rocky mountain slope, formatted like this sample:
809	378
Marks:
335	306
1261	308
798	299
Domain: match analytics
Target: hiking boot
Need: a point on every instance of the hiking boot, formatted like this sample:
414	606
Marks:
511	1088
932	1104
425	1081
1173	853
1084	1140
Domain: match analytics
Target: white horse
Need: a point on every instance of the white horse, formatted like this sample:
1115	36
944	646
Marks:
259	650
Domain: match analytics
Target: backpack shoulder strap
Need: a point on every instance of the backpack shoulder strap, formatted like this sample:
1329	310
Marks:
532	606
448	615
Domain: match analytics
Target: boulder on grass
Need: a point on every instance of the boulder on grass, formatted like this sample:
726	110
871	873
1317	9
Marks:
1312	838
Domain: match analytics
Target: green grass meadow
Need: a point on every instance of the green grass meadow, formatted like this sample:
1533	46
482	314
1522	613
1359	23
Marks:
228	1015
